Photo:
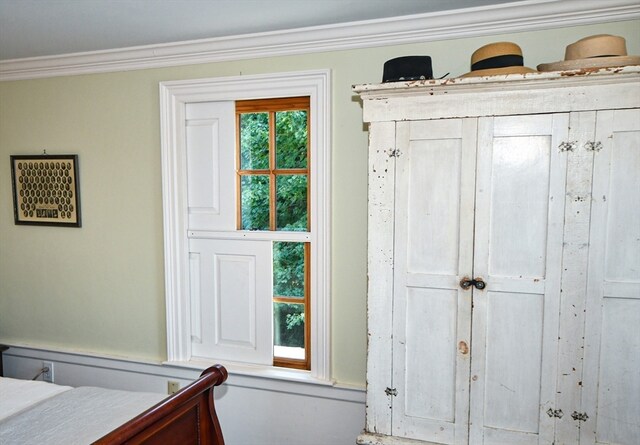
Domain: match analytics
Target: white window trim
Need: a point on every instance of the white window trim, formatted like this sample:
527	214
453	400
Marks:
174	96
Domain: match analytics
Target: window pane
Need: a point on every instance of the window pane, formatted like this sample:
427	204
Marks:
288	269
288	330
291	202
254	141
291	139
254	191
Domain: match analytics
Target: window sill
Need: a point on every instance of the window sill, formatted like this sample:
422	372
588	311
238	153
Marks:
255	371
270	378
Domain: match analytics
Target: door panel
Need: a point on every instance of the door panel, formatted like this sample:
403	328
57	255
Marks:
519	190
611	381
210	163
431	314
513	355
517	252
435	174
230	288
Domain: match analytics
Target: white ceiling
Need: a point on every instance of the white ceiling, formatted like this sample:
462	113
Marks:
31	28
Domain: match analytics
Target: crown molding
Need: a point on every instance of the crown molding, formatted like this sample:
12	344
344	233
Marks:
517	16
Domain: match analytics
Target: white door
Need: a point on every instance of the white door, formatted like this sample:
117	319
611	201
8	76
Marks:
435	174
610	410
521	170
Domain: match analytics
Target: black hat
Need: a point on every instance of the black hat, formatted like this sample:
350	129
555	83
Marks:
407	68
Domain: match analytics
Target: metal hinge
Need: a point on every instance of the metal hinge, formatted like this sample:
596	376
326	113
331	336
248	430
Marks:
593	146
391	391
568	146
555	413
579	416
395	153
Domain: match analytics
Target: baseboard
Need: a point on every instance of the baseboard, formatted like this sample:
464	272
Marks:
252	410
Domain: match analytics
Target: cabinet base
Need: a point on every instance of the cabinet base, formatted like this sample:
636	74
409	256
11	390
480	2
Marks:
383	439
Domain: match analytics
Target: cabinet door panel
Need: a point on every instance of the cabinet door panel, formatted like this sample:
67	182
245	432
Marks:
433	224
518	250
513	354
435	176
519	205
611	383
431	314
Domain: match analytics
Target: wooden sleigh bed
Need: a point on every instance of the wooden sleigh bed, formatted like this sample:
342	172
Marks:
186	417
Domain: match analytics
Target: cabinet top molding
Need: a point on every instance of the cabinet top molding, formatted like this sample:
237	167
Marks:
542	79
550	92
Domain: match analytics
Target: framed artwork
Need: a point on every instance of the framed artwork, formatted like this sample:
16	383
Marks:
46	190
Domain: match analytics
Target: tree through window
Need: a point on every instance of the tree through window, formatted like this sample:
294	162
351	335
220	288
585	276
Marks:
273	183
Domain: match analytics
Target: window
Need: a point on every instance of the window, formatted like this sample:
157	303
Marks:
272	166
246	172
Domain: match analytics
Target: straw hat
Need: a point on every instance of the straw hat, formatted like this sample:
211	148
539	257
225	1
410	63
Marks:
497	58
597	51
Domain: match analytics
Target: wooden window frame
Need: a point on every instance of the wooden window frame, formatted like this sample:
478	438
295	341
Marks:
272	106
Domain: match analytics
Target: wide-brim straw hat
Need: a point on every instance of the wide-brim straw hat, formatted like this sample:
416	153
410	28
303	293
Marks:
597	51
496	59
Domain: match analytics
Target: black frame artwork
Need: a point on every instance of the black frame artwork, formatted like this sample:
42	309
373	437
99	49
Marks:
46	190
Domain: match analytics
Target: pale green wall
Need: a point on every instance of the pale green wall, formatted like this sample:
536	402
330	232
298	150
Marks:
100	289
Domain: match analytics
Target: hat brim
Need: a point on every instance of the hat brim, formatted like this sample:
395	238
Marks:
591	63
500	71
406	79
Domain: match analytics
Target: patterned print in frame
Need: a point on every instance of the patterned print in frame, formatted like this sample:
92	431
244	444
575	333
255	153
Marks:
46	190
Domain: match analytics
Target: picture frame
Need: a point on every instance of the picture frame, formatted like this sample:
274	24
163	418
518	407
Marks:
46	190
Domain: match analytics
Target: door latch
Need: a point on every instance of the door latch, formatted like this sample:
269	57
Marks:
391	391
478	283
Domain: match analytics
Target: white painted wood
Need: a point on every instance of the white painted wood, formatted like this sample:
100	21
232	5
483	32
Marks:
574	279
519	225
611	381
502	95
556	230
174	98
380	274
234	292
210	146
431	314
195	296
419	28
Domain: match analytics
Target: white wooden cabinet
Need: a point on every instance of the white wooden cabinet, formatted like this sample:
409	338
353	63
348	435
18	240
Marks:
504	260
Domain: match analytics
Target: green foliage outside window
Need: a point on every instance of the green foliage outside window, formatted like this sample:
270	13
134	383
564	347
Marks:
288	269
288	325
254	141
291	142
291	139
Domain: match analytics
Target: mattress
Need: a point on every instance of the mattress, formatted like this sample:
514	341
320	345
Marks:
17	395
72	415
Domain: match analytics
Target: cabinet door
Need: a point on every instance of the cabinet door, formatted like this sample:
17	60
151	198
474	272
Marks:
611	382
435	173
518	250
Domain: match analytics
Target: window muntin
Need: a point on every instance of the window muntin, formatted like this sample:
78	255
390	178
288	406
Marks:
273	183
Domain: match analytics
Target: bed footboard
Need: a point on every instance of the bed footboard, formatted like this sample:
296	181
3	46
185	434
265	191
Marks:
186	417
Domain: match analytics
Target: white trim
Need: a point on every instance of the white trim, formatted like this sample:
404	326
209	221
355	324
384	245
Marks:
174	96
517	16
252	235
238	375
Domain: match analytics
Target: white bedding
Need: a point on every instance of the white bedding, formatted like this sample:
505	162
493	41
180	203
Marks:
74	416
18	395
